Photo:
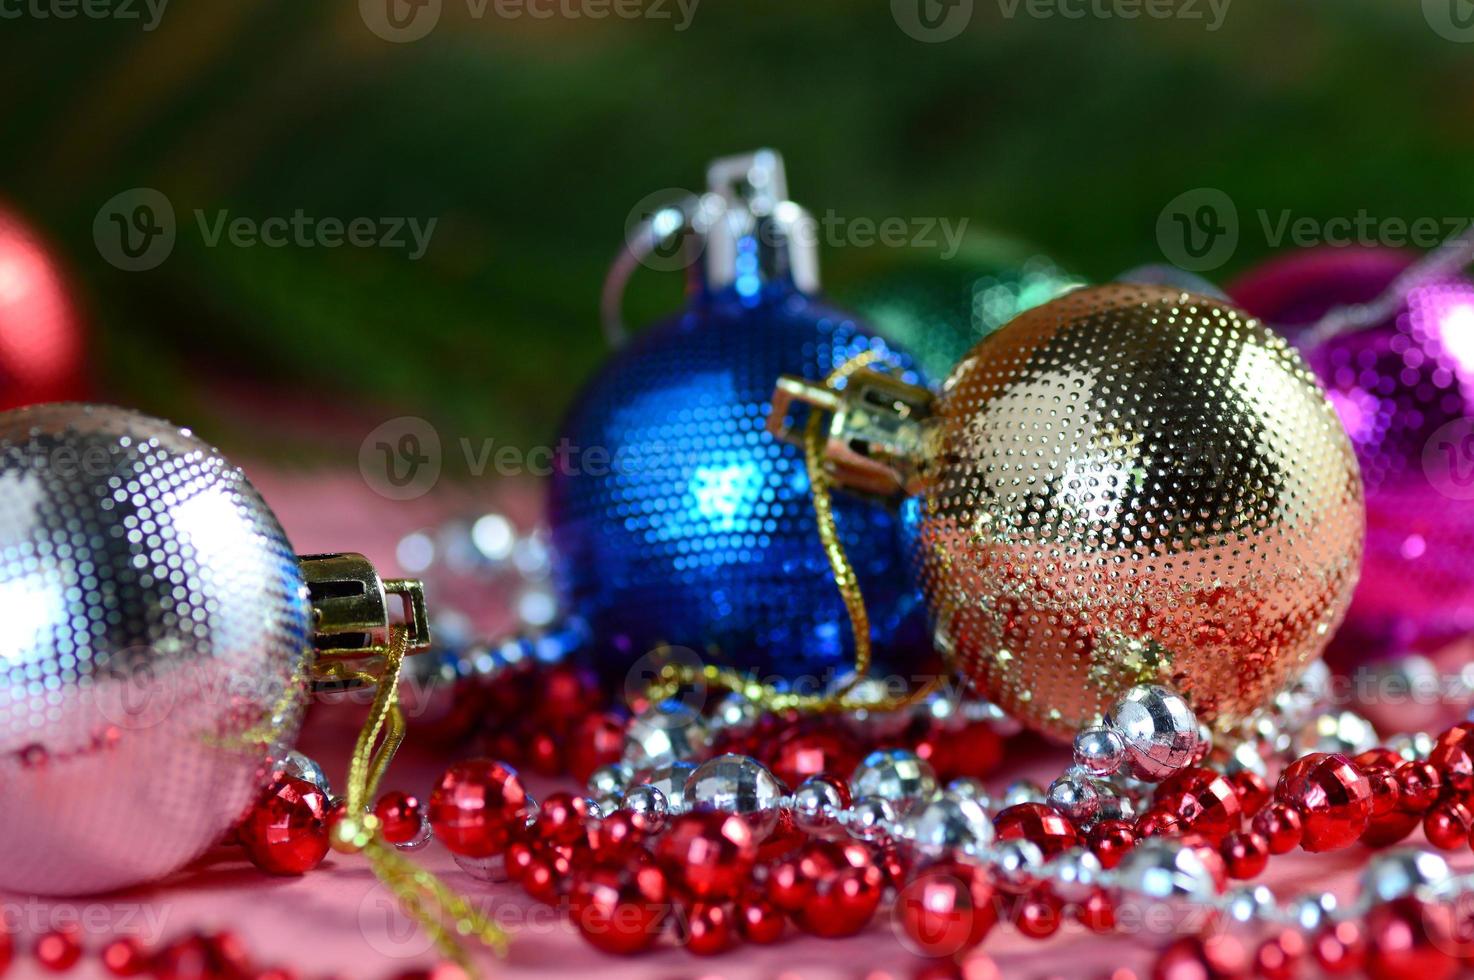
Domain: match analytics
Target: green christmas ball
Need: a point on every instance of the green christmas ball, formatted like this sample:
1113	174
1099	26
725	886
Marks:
937	307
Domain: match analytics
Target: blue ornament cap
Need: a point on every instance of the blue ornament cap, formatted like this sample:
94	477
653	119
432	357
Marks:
700	530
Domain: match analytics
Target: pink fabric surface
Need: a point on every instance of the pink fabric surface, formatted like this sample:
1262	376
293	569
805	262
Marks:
338	921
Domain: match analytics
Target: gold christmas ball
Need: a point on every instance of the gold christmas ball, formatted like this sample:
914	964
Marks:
1133	484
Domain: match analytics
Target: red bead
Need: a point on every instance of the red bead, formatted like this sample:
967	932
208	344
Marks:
1245	854
401	817
1453	757
782	839
568	693
620	908
597	740
1038	914
519	856
614	836
1158	823
544	754
1447	825
1280	825
1253	790
1110	840
1340	949
759	921
1333	796
476	807
1386	791
560	819
1280	956
847	885
975	750
1098	912
286	833
541	880
1036	822
1407	940
1204	800
1202	958
709	854
7	947
708	929
58	950
124	957
803	752
946	909
1420	784
787	886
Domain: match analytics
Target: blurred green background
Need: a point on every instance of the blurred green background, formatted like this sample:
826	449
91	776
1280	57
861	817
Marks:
531	140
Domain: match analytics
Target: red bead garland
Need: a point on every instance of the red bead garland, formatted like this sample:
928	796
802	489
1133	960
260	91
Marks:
287	832
476	806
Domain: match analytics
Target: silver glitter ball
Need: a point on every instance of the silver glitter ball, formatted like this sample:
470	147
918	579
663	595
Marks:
142	579
1076	796
299	766
948	826
671	781
1073	874
1166	870
737	784
1099	751
646	801
816	805
664	734
1016	864
1402	872
870	818
898	775
1159	729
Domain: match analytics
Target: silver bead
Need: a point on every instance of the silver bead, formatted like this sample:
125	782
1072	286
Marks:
1246	756
1117	807
671	781
608	803
300	766
1015	863
492	868
735	712
1022	791
1403	872
1159	729
870	818
1099	751
968	788
1166	870
1414	747
610	779
948	826
816	805
1314	683
1343	732
646	801
898	775
594	809
1073	874
1249	904
664	734
737	784
1310	912
421	837
1076	796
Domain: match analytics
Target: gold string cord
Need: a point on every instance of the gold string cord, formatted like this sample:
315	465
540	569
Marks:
446	916
675	676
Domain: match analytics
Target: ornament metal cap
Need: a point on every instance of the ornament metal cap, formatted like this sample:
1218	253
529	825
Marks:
878	429
350	607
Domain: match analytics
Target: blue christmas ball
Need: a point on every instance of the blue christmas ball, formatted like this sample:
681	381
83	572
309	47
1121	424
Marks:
689	524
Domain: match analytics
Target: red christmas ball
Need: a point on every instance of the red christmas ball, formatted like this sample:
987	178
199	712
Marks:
286	833
1036	822
42	342
1204	800
709	854
805	751
477	806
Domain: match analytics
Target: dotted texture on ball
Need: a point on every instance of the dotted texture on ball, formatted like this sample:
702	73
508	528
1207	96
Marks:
156	634
1132	484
